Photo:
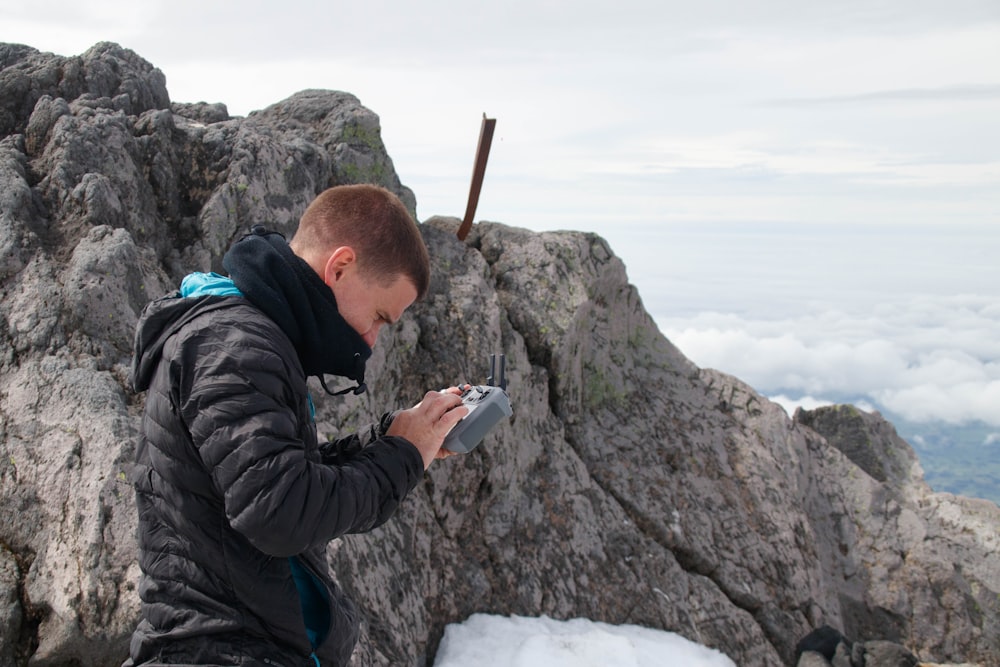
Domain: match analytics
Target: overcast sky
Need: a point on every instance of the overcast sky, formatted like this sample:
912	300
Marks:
807	194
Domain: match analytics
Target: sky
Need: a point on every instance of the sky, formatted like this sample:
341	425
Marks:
517	641
806	193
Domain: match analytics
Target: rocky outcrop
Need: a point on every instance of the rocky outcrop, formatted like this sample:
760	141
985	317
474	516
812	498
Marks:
630	486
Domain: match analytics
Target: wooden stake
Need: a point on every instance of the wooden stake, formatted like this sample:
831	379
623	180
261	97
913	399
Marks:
478	171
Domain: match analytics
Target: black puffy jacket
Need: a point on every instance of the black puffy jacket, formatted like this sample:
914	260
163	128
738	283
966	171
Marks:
236	497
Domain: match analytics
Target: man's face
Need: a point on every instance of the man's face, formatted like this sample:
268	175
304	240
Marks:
366	304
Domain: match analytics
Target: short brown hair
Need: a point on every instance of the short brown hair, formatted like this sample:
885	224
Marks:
375	223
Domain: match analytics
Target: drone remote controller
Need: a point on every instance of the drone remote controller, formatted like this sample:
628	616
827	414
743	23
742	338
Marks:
487	405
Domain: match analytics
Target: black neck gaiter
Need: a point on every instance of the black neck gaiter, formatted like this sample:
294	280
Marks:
287	290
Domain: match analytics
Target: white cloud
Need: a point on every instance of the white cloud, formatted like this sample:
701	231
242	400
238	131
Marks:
805	402
70	28
902	360
792	360
858	62
951	402
762	155
790	404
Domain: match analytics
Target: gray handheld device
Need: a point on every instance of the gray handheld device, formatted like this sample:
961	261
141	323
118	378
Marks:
487	405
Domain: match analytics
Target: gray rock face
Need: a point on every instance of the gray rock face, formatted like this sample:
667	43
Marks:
630	486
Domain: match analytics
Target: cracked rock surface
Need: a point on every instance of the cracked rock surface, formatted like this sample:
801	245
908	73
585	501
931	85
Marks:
629	487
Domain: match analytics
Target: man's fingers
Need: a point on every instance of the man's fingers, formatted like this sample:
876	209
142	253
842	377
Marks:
436	403
453	416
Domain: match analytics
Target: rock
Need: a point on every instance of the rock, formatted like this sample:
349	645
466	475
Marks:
908	563
887	654
201	112
630	486
105	72
843	656
812	659
868	441
10	607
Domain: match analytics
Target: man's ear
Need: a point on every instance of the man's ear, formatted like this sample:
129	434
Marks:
341	260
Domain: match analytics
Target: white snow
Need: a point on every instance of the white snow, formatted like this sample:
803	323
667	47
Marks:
485	640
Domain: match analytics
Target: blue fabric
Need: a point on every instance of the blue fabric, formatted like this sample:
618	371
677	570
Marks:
205	284
315	603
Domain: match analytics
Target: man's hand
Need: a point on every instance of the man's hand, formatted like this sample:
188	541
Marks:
428	422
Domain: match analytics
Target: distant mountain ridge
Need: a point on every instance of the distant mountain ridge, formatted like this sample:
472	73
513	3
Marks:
959	459
629	487
962	459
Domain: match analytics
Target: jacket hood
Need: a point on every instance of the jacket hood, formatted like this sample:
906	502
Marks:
159	321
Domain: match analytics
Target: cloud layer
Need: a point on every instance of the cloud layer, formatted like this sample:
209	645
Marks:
926	360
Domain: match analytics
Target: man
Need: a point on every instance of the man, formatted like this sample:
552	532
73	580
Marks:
236	498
